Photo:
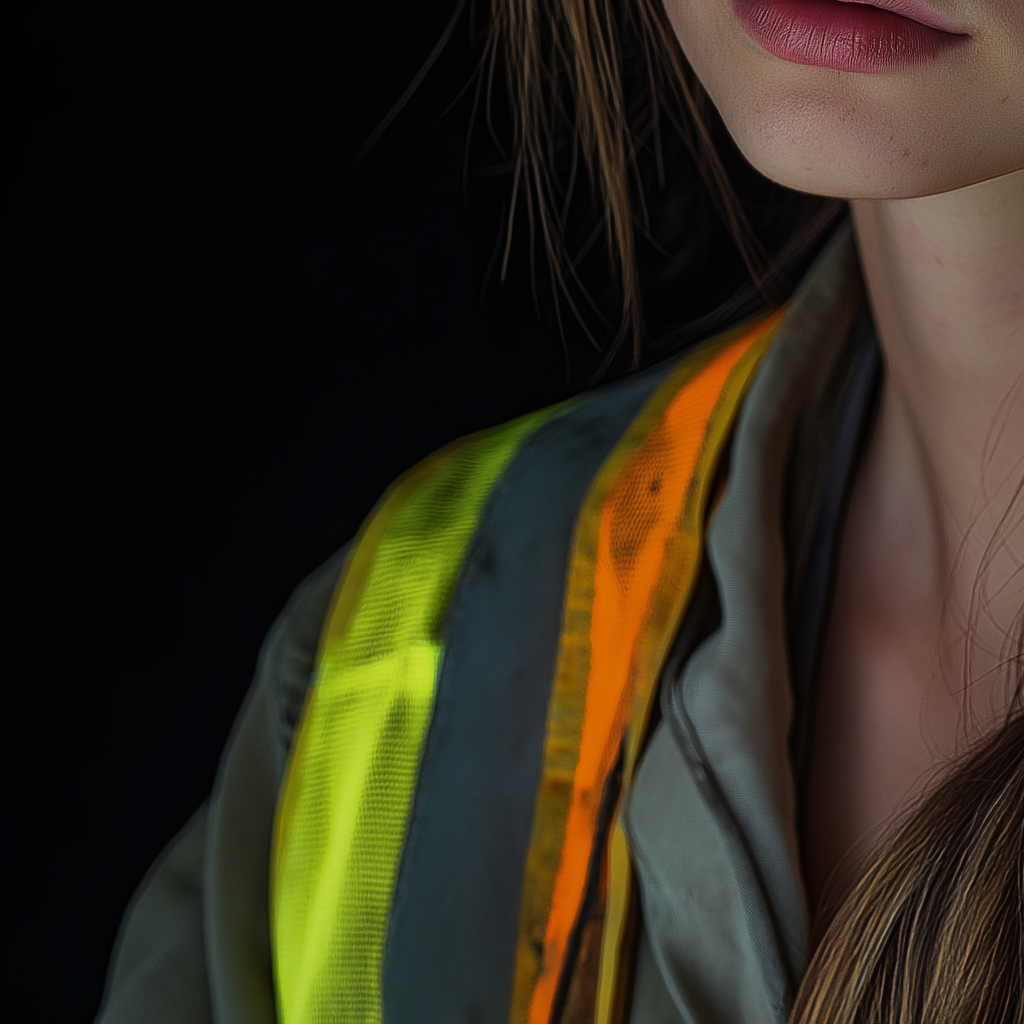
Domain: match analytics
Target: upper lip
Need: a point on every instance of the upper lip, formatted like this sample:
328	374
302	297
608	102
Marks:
916	10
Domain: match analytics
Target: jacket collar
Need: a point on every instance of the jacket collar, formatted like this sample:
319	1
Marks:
712	820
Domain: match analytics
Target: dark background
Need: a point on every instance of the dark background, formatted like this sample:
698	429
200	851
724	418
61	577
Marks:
219	347
220	344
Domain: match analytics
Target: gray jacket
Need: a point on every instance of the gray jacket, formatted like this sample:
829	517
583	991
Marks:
712	818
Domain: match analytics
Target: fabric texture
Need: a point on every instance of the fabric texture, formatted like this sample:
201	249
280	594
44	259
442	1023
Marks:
710	819
635	557
343	812
730	711
342	817
450	950
237	857
830	436
195	942
158	971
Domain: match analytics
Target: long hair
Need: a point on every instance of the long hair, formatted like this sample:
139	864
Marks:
933	931
617	201
599	98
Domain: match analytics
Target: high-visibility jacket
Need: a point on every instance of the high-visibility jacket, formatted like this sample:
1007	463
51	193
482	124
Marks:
545	765
616	488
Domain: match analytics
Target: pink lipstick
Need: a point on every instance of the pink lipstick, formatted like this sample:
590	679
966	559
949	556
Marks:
891	35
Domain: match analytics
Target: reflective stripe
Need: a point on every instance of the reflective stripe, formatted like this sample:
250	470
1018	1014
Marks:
344	806
469	826
634	561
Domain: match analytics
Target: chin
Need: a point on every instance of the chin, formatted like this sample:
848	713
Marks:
953	119
840	142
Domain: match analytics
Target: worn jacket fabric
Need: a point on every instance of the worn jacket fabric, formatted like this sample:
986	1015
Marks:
711	819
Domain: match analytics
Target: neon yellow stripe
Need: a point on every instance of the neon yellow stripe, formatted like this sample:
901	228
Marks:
345	803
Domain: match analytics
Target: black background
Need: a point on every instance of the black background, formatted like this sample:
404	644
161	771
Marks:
219	347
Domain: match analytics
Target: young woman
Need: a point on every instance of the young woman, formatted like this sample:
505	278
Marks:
695	698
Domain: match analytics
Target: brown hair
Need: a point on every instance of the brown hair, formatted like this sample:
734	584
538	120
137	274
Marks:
932	934
564	63
602	80
934	931
588	93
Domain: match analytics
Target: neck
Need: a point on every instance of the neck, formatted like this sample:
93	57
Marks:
945	277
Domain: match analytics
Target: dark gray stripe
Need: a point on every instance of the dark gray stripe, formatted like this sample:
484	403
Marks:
450	950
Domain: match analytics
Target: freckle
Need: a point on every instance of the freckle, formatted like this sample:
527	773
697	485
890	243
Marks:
925	162
905	153
891	137
1004	99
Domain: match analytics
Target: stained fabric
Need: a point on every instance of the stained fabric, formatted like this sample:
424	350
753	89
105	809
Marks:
462	864
345	803
634	560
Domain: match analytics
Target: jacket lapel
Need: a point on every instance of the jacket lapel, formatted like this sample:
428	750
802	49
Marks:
712	818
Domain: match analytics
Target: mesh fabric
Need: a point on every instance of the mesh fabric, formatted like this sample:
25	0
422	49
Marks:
635	556
346	800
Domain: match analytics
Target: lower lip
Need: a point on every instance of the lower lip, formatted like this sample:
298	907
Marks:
841	35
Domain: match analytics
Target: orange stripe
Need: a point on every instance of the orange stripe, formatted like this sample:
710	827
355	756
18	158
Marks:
607	668
678	575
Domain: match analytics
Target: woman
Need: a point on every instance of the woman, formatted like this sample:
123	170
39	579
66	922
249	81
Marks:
643	707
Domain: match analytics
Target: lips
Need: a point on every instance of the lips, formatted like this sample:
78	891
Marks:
844	35
915	10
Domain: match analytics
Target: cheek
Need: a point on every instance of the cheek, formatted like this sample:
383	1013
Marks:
916	132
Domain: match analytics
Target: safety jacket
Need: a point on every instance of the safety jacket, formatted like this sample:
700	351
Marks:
529	749
396	713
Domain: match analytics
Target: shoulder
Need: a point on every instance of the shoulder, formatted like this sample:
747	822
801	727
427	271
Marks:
288	655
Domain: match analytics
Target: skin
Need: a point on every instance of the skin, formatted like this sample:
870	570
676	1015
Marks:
931	158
